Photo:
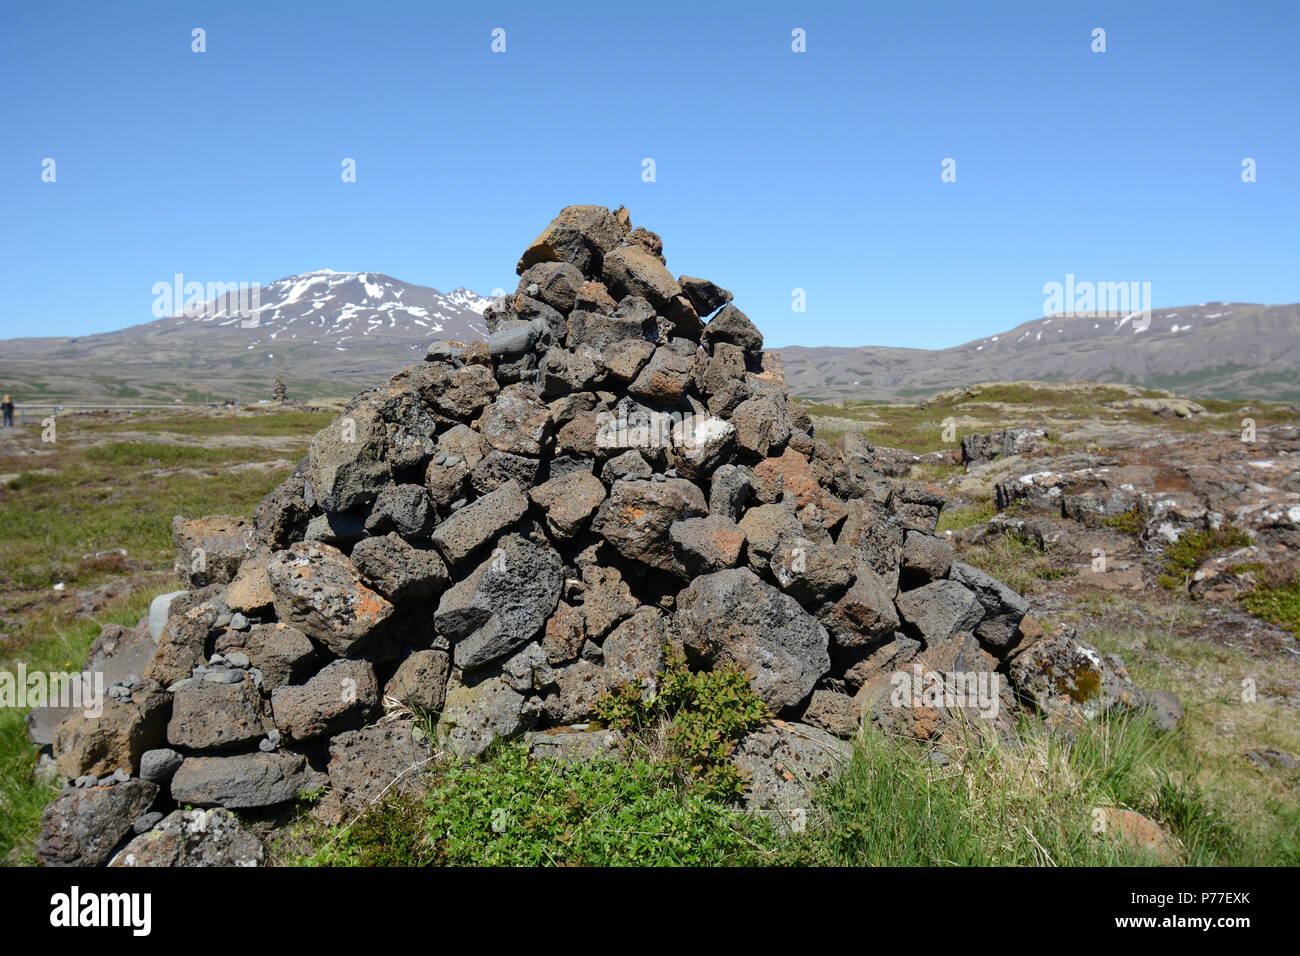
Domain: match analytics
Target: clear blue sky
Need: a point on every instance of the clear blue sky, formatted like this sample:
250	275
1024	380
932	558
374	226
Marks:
775	170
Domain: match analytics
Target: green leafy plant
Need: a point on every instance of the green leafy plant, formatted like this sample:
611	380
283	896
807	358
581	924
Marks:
510	810
705	714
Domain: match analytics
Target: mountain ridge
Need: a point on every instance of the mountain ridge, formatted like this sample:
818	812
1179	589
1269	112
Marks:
331	333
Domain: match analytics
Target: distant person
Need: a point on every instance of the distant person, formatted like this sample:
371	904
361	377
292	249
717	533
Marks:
8	407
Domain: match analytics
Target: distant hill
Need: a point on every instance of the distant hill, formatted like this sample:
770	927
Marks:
1217	349
326	333
333	333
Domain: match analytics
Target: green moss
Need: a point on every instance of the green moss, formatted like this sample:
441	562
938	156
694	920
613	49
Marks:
1130	522
1185	555
1277	603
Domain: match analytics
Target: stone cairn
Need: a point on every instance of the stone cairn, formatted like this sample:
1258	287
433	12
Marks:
504	531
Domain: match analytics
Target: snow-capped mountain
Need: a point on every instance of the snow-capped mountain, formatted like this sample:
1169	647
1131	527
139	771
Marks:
346	310
326	333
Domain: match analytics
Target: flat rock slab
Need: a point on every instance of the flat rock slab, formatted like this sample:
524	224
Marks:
244	780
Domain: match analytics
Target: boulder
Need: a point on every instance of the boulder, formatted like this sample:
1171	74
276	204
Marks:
1003	607
636	517
634	651
318	590
731	617
97	740
707	544
567	503
244	780
366	764
210	550
84	825
342	696
477	523
705	296
786	763
939	610
399	571
193	838
634	270
420	681
210	716
479	710
502	604
1064	674
405	509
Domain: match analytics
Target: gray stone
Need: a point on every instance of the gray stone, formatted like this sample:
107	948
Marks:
158	765
733	326
502	604
421	681
365	764
729	491
474	525
318	590
216	716
573	745
344	695
158	609
1062	673
192	838
399	571
634	651
786	764
636	517
939	610
244	780
479	710
83	826
705	296
1003	608
405	509
733	617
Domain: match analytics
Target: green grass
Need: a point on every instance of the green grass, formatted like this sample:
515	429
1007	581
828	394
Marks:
56	643
997	805
143	454
966	516
56	521
1130	522
993	805
303	424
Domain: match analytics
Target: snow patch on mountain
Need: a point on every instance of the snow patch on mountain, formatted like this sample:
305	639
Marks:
345	305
